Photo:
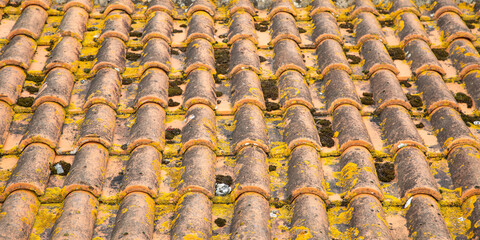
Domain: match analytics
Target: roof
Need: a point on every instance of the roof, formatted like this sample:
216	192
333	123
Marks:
158	121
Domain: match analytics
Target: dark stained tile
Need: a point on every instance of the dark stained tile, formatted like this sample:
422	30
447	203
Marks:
45	126
12	79
198	171
413	173
434	92
124	5
153	87
330	56
77	217
309	218
443	6
56	88
339	89
281	6
32	170
464	56
452	27
200	128
250	128
243	55
85	4
464	165
409	27
159	25
287	57
200	55
74	23
193	217
156	54
135	217
251	217
284	27
358	174
30	23
98	126
251	172
402	7
376	58
246	89
111	55
241	27
64	54
348	122
18	214
142	173
166	6
104	88
367	28
424	220
319	6
88	170
202	5
363	6
387	90
149	127
200	89
300	128
421	58
18	52
305	173
117	24
200	25
368	218
293	90
241	5
325	27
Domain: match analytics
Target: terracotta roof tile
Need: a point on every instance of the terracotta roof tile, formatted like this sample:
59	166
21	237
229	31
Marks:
85	4
464	56
199	55
283	27
431	223
65	54
198	171
193	217
300	128
156	54
200	128
367	27
18	52
159	25
409	28
251	172
452	27
13	78
368	218
339	89
246	89
42	3
443	6
160	5
135	217
363	6
348	122
241	5
98	126
202	5
421	57
326	27
111	55
124	5
463	164
149	127
387	90
18	214
309	218
250	218
293	90
319	6
281	6
401	7
242	27
153	87
30	23
330	57
434	91
287	57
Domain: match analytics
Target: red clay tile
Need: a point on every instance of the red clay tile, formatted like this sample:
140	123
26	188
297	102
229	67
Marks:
287	57
376	58
348	122
32	170
325	27
472	84
200	55
452	27
363	6
413	173
135	217
442	6
85	4
421	58
117	24
464	56
434	92
241	27
243	55
246	89
450	129
74	23
200	25
281	6
111	55
200	89
160	25
64	54
387	90
193	217
403	6
241	5
149	127
18	52
250	128
251	172
319	6
57	88
18	214
77	217
42	3
358	174
88	170
98	126
330	56
309	218
339	89
11	83
30	23
250	218
293	90
284	27
202	5
45	126
305	174
424	220
398	129
166	6
142	173
198	171
409	27
153	87
124	5
200	128
105	88
368	218
464	166
156	54
367	28
300	128
6	114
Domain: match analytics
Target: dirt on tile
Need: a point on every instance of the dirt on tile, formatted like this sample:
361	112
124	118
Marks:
270	89
220	222
172	103
60	168
25	101
414	100
367	98
272	106
396	53
326	133
222	58
224	179
385	171
262	26
440	53
464	98
170	133
352	59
